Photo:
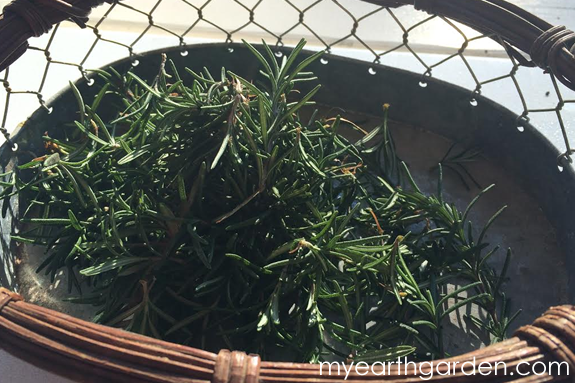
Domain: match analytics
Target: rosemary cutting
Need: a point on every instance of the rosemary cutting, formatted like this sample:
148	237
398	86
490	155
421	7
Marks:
212	214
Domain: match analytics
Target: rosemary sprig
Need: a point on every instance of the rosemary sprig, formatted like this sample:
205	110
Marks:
456	162
211	214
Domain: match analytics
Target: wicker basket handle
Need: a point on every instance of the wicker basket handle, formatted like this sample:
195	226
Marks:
22	19
550	47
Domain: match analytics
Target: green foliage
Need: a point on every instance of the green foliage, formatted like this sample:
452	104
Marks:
211	214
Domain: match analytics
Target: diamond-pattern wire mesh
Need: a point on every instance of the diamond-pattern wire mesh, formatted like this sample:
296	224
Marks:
430	45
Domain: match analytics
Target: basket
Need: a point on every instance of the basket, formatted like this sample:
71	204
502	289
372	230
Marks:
77	349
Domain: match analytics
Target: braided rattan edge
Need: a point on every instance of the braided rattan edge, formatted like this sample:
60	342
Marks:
71	347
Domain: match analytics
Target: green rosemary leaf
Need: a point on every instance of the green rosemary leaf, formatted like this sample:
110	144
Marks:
186	322
410	178
247	263
272	59
98	99
503	274
47	221
388	354
303	101
474	201
101	125
489	223
181	187
291	60
262	60
199	251
299	68
223	146
75	185
74	221
462	303
263	322
458	291
425	323
88	133
134	154
111	264
32	241
80	101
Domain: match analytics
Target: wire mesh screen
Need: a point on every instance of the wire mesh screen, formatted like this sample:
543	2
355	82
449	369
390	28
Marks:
413	40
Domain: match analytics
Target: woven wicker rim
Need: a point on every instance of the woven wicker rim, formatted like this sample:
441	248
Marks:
78	349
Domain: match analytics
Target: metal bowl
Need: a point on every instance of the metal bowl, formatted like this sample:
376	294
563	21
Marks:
539	224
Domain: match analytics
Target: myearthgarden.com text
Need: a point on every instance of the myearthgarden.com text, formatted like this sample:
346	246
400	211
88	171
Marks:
427	370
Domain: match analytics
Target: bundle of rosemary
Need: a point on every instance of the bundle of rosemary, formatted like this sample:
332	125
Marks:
212	214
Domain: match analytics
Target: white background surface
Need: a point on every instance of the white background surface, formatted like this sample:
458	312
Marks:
436	39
